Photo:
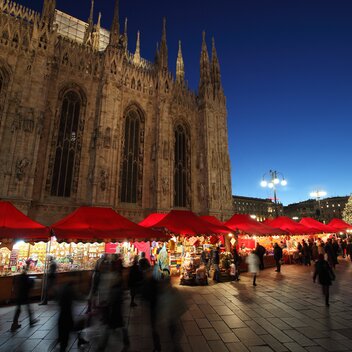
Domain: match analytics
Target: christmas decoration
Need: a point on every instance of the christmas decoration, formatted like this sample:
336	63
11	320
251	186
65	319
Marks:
347	212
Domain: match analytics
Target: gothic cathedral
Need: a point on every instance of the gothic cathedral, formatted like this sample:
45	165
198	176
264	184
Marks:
83	121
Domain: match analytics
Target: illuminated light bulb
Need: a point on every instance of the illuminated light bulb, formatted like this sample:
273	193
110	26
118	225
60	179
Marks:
283	183
263	183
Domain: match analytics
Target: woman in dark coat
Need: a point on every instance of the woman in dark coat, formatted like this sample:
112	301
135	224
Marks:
325	274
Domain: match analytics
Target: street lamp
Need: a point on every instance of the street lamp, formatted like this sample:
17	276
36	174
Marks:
317	195
272	180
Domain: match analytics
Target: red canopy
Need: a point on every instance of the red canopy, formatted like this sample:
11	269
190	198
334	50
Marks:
340	225
91	223
14	224
317	225
184	222
287	224
152	219
245	223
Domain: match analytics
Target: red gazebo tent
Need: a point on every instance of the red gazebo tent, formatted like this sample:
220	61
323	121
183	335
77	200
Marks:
184	222
15	225
340	225
89	223
287	224
317	225
245	223
152	219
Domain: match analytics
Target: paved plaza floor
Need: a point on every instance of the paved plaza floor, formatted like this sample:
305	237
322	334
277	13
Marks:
284	312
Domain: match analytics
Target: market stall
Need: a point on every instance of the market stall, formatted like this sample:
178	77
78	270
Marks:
84	235
22	241
190	237
249	232
340	225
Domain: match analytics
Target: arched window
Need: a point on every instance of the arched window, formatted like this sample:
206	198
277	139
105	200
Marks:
67	145
132	158
181	167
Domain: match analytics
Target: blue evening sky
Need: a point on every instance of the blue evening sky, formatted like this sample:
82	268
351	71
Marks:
287	73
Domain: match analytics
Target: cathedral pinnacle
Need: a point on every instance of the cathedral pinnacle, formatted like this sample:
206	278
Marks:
125	34
48	12
115	27
215	69
89	29
163	48
180	67
204	66
137	54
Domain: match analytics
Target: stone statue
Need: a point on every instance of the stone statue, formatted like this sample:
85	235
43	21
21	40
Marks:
103	179
165	185
21	165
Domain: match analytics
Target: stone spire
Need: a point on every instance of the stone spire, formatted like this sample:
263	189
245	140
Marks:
115	27
204	67
90	28
48	12
180	67
163	48
157	55
125	34
137	54
215	69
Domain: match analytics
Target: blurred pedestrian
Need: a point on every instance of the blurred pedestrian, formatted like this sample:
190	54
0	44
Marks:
253	265
216	263
50	280
134	280
349	249
23	286
306	254
66	323
260	251
325	275
237	259
113	315
143	263
95	280
277	257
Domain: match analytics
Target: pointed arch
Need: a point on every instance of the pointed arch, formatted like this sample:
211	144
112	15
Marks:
182	165
131	176
65	158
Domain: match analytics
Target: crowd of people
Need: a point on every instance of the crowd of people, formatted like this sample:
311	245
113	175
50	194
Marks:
153	285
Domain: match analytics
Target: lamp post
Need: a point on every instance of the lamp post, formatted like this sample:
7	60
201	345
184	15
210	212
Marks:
272	180
317	195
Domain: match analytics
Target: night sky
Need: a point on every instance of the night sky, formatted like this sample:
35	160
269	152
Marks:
287	73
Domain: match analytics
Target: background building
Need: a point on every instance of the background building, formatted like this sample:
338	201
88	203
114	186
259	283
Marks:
261	208
85	122
329	208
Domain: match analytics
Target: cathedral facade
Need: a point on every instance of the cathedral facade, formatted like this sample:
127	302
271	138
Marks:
83	121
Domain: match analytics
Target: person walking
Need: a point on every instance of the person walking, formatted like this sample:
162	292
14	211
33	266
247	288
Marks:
306	254
237	259
51	280
23	286
349	249
216	263
277	257
260	251
143	263
134	280
325	273
253	265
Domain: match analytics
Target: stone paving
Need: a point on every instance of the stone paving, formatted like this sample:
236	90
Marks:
285	312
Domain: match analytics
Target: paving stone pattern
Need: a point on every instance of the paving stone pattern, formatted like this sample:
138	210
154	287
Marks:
285	312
